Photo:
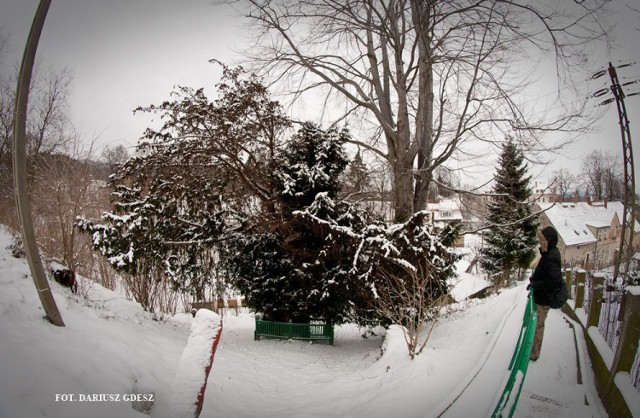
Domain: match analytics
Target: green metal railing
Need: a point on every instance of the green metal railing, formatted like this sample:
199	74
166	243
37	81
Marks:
519	363
313	331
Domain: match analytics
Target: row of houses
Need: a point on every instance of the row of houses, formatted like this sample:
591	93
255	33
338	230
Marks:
589	231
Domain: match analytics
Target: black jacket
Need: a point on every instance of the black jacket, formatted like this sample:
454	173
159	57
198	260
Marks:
547	277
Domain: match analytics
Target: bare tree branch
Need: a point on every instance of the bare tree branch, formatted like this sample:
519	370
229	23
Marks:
434	78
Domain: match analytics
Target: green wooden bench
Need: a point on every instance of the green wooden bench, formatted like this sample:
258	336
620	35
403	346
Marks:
290	330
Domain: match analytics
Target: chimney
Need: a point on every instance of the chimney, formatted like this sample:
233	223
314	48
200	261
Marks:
596	199
606	200
574	199
587	199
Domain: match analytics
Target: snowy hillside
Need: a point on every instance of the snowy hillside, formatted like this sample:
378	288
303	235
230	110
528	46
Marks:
111	351
109	346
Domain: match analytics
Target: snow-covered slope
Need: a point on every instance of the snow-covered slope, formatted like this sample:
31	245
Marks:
111	349
109	346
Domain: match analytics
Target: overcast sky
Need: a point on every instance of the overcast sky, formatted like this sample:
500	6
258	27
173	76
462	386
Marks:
129	53
124	54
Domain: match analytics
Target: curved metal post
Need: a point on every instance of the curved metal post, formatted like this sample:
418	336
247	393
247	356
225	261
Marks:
20	168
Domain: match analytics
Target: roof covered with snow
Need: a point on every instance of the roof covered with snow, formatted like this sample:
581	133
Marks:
572	220
445	209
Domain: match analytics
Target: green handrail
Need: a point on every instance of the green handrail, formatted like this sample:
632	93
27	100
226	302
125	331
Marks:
519	363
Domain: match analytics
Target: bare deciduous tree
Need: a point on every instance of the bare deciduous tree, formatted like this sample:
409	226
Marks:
48	127
64	188
563	183
4	44
430	79
413	301
6	132
614	178
48	123
602	173
446	182
48	116
113	157
7	103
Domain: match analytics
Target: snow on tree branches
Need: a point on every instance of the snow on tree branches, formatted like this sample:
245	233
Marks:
511	237
219	188
191	184
288	266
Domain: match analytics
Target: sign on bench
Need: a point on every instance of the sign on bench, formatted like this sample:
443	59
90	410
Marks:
290	330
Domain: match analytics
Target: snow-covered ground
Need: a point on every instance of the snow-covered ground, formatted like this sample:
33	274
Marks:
111	351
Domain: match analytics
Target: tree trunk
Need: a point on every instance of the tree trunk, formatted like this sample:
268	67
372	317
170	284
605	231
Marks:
420	15
403	188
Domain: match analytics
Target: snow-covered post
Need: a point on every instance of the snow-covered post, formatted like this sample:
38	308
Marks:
195	364
567	281
620	396
580	280
20	168
597	286
629	332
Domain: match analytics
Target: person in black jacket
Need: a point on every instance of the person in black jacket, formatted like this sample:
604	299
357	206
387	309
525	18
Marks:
546	278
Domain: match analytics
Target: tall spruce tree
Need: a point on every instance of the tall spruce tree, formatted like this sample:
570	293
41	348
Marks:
511	238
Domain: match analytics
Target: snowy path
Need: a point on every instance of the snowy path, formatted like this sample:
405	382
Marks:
560	383
280	378
487	378
456	377
111	346
277	378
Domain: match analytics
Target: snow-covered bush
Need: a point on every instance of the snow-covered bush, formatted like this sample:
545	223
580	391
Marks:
405	268
397	274
159	239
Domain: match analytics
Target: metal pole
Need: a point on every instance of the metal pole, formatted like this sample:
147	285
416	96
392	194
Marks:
625	251
20	168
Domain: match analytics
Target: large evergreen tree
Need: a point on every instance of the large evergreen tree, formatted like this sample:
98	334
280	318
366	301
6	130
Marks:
193	182
321	258
288	266
511	237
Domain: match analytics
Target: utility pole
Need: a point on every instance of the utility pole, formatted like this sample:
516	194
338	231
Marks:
625	249
20	168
